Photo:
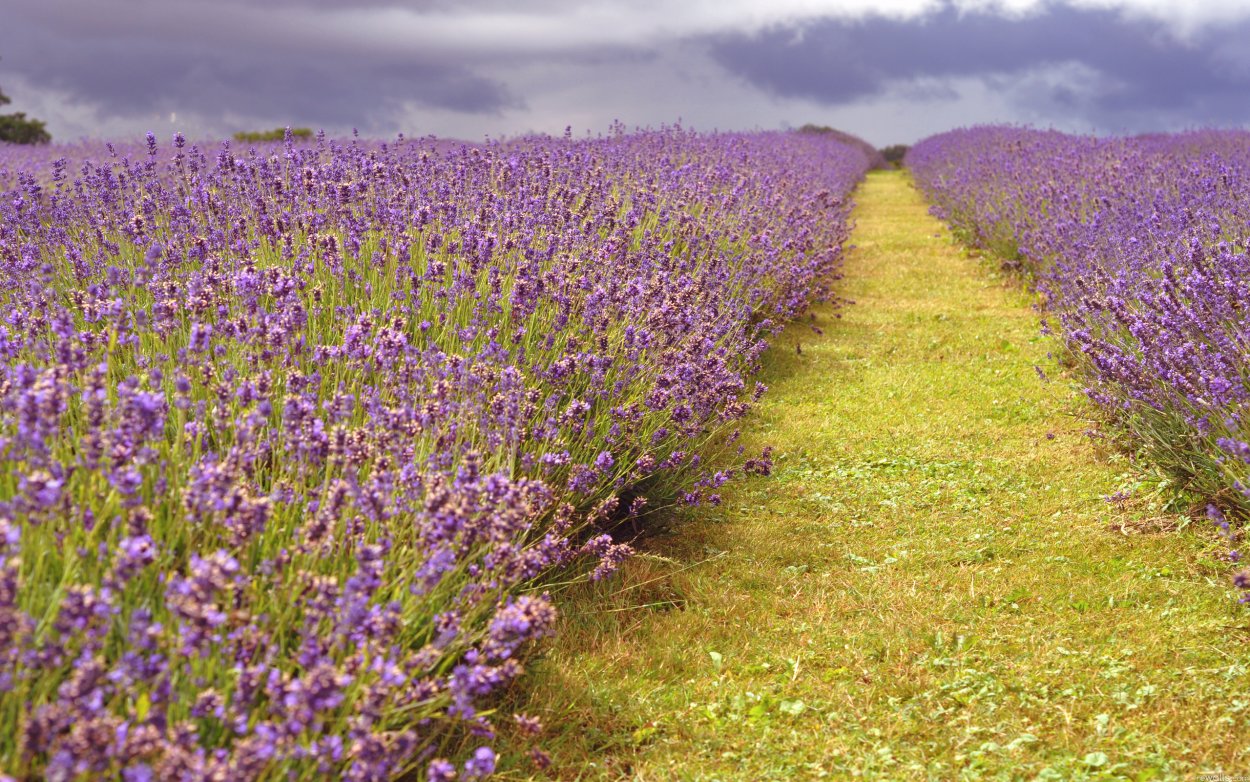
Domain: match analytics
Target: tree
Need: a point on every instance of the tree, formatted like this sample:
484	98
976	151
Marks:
894	154
17	128
277	134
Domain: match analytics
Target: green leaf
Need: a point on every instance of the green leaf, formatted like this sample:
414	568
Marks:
1096	759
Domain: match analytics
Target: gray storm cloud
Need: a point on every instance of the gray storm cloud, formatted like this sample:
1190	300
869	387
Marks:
887	69
1131	66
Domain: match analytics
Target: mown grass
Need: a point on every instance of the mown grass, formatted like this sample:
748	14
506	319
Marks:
930	585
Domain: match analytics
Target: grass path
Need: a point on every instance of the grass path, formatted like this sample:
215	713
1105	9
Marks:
930	585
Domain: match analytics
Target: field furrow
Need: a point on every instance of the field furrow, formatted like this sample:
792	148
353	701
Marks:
931	584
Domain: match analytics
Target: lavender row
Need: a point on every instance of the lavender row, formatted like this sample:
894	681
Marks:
1139	248
294	437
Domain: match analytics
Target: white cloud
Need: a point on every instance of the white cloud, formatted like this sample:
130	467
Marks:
1188	16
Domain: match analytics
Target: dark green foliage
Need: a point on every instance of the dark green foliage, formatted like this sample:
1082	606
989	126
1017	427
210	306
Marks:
17	128
894	153
277	134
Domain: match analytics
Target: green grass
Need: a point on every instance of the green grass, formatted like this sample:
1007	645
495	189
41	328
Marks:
928	586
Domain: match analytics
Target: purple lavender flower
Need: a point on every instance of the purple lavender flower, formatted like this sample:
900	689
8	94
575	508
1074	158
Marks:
481	765
440	771
1138	248
304	423
520	621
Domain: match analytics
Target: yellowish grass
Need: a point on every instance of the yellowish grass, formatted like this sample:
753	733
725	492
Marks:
928	587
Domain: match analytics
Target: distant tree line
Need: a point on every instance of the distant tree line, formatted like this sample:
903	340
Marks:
17	128
894	154
277	134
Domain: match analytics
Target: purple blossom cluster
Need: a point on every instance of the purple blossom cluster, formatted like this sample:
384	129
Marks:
294	436
1139	247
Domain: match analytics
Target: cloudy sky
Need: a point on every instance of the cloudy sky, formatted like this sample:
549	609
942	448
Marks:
888	70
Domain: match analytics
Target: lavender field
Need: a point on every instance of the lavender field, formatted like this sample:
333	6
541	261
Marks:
1139	247
624	391
312	448
297	437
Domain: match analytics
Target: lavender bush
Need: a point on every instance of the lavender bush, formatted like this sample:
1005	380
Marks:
294	436
1139	247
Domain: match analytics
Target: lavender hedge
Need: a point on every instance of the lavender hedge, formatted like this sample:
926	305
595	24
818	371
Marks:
293	436
1139	248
